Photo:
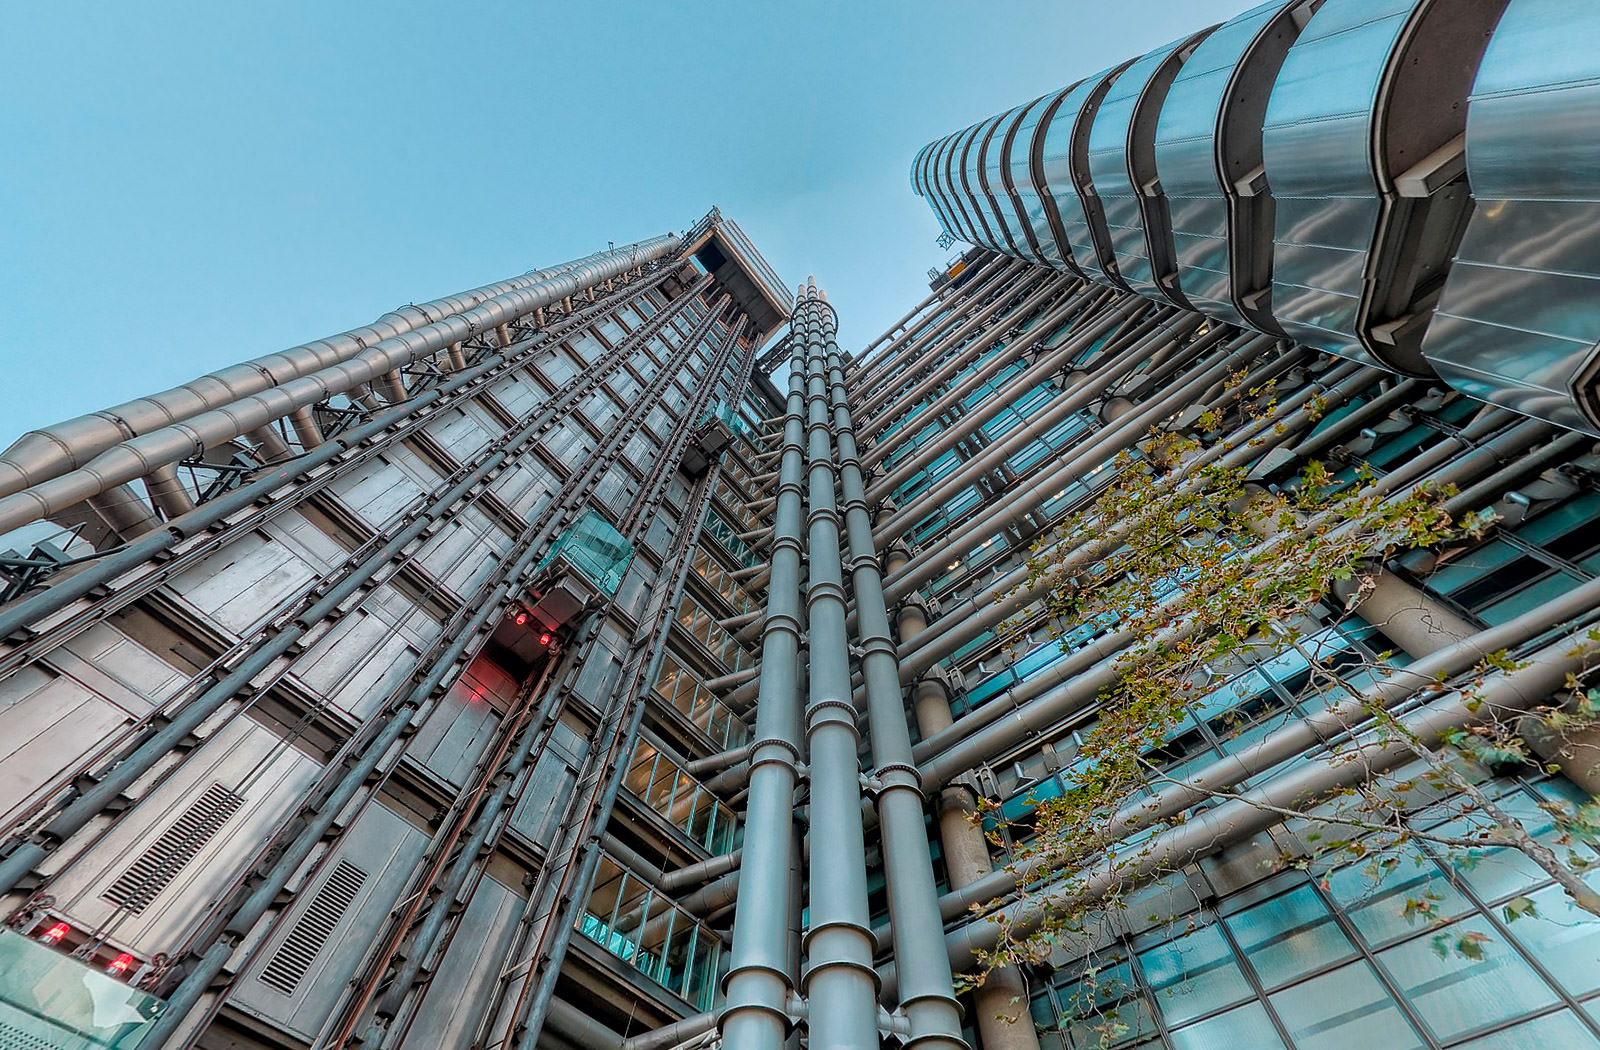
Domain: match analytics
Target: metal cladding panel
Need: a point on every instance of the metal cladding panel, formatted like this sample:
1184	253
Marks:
961	208
1518	322
464	980
1317	149
464	721
539	809
1110	140
300	972
359	661
241	585
987	196
52	718
144	855
463	431
1018	170
939	190
1188	159
992	173
964	181
1064	161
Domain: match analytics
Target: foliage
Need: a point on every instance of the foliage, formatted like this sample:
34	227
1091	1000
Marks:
1189	571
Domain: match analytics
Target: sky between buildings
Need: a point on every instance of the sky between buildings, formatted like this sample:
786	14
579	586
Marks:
188	185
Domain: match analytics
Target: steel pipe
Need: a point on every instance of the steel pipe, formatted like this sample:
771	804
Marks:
1092	388
1233	820
1105	447
44	454
760	979
839	946
927	992
139	456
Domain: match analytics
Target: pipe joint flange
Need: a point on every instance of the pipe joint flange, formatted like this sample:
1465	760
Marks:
783	620
821	590
824	515
877	644
893	775
763	988
863	562
787	543
831	710
777	742
839	944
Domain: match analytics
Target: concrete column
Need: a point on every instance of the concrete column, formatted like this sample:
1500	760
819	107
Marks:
1407	615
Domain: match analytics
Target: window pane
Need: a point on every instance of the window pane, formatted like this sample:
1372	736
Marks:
1379	910
1564	938
1557	1031
1456	995
1247	1026
1289	936
1194	975
1343	1009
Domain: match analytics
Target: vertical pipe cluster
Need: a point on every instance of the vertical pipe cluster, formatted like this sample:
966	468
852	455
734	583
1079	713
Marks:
926	988
761	977
840	982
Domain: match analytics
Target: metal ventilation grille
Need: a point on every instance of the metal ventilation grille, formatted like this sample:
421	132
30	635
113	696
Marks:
14	1038
299	950
174	849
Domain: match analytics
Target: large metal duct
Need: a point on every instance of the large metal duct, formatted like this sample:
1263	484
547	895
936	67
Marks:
1400	182
839	979
927	997
139	456
1516	324
760	979
43	454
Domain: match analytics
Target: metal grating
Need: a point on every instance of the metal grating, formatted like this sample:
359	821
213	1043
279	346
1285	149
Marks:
299	950
14	1038
174	849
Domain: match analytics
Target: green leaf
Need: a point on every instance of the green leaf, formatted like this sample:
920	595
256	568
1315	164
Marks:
1519	908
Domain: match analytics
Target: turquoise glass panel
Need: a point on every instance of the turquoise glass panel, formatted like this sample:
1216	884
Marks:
49	1000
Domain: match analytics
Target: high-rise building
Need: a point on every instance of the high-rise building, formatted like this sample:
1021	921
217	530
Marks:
608	658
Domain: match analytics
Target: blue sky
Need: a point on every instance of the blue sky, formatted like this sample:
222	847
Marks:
187	185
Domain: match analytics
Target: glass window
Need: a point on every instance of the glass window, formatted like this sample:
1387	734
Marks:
1289	936
1248	1026
1345	1008
1399	904
1194	975
1557	1031
1564	938
1103	1010
1456	995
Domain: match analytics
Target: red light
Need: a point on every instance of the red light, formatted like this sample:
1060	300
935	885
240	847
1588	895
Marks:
544	639
55	933
520	618
120	964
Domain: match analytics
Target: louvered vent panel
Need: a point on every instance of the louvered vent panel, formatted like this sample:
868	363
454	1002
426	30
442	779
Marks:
299	950
174	849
